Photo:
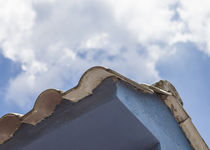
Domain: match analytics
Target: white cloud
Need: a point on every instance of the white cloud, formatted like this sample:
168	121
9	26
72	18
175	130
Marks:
149	20
56	41
195	16
96	42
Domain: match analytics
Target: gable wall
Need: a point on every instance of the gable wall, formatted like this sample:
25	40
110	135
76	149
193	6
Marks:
155	115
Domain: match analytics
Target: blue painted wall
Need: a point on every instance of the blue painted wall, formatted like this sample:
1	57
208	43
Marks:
155	115
110	126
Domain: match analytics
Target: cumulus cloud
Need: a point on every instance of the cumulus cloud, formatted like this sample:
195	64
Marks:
54	41
195	16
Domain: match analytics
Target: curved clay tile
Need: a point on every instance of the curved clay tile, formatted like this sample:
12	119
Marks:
9	123
43	107
92	78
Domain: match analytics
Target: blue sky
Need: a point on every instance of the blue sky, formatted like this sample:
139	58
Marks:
50	43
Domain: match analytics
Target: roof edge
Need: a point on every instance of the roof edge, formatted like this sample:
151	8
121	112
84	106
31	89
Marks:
93	77
90	80
175	104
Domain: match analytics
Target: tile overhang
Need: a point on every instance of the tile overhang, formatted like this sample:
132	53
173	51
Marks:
90	80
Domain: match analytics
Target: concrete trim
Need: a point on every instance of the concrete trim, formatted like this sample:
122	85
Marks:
175	105
192	135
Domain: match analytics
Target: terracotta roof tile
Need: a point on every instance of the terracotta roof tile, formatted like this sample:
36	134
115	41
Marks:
43	107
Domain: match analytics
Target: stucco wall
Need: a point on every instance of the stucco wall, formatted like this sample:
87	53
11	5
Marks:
108	127
155	115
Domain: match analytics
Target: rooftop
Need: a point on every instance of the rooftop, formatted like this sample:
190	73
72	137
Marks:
48	100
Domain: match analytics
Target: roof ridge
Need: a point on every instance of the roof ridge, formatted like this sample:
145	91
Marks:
47	101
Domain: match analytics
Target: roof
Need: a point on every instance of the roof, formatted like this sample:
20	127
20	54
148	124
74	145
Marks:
90	80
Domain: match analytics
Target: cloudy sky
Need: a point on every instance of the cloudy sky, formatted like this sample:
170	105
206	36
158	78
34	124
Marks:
50	43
